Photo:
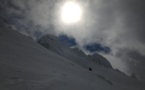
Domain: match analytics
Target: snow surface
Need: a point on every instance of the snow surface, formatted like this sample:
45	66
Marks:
54	44
26	65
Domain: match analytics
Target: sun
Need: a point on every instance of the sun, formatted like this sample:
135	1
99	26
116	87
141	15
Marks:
71	12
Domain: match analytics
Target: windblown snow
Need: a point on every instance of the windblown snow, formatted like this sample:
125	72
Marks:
26	65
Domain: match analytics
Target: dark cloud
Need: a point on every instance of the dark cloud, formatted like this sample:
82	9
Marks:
117	24
135	60
135	17
28	16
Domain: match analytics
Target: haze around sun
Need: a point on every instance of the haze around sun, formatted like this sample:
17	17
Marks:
71	12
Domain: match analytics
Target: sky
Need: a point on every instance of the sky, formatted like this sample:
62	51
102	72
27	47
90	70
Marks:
112	26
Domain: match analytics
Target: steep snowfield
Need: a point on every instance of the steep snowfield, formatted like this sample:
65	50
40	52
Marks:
25	65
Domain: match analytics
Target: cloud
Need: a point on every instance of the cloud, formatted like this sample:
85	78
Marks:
135	61
28	15
117	24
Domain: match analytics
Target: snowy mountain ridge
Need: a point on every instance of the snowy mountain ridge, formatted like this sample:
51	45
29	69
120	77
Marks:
54	44
26	65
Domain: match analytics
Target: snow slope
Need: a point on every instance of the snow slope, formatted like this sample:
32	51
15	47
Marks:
26	65
54	44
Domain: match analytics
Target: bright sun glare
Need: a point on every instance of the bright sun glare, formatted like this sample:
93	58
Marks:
71	12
